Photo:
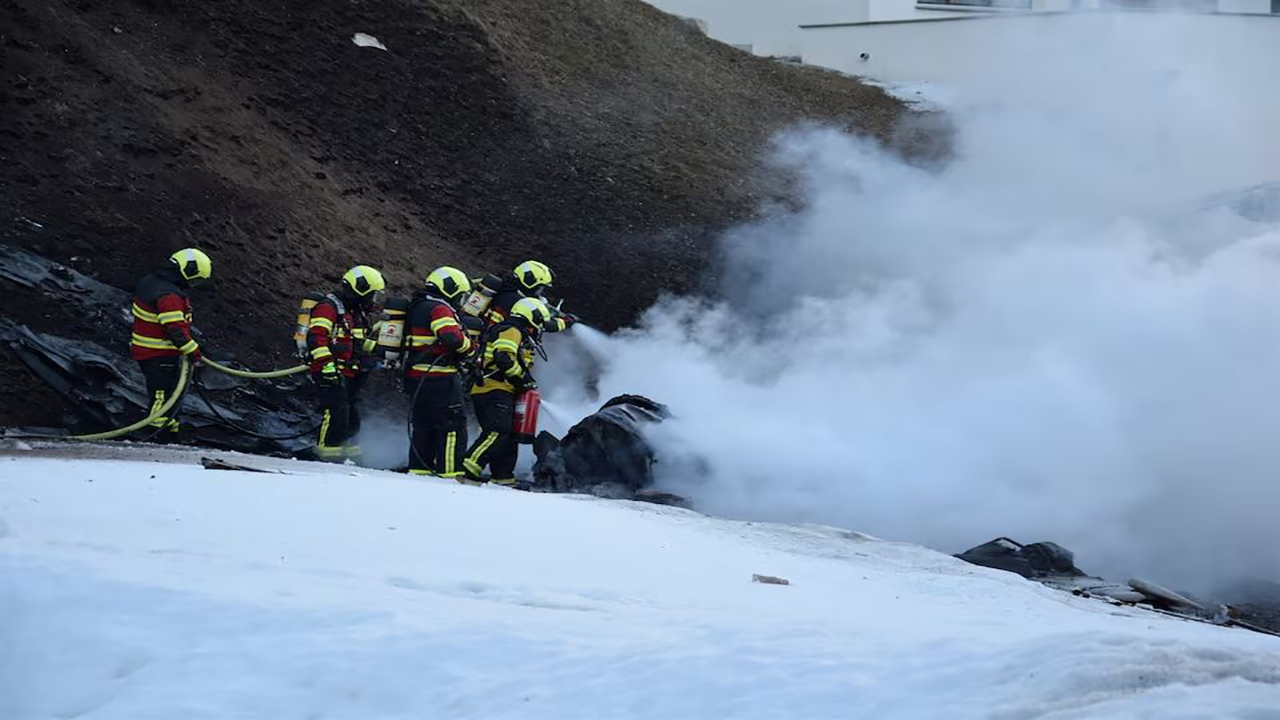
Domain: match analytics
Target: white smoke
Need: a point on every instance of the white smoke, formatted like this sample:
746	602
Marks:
1029	342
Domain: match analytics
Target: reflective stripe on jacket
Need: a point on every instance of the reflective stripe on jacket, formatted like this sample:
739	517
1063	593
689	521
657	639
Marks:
161	320
435	339
340	338
509	341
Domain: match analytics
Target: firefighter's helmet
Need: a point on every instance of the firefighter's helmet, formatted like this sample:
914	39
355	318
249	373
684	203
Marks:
193	265
533	276
365	283
533	310
449	283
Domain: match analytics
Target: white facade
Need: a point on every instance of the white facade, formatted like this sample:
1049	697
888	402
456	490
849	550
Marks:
773	27
765	27
1260	7
961	51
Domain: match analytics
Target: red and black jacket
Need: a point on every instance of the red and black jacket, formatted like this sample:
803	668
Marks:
435	340
337	333
161	319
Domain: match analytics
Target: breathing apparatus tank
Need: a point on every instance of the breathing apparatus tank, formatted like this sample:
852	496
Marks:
481	296
391	330
304	323
525	426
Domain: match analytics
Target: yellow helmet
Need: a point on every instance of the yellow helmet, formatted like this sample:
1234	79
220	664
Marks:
532	310
364	282
450	282
192	264
533	276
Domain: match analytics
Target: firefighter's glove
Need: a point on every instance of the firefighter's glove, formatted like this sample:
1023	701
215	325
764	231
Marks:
329	375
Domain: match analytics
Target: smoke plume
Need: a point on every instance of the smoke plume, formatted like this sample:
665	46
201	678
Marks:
1048	338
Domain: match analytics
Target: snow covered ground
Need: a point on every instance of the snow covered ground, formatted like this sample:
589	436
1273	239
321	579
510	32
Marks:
141	589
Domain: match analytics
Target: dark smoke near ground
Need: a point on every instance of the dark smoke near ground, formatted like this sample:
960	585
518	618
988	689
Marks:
1050	338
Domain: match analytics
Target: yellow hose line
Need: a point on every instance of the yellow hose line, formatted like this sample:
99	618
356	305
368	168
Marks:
183	370
261	375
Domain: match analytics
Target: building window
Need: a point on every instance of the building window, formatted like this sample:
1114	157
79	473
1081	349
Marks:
1018	4
1275	7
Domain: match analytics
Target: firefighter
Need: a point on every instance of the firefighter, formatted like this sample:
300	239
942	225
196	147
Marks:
339	335
530	279
436	344
503	370
162	329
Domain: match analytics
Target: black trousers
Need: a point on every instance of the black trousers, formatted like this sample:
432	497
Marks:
439	422
496	447
340	421
161	375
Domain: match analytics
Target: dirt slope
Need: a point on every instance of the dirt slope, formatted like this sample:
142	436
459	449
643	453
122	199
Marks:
602	136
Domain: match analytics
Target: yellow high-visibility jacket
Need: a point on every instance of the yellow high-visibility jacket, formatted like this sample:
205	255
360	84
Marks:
508	358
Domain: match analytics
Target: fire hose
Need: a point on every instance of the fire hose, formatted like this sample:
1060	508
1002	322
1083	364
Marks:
266	374
260	375
184	374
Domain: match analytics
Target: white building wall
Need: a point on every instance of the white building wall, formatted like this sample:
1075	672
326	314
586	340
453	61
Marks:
770	27
881	10
1245	6
961	51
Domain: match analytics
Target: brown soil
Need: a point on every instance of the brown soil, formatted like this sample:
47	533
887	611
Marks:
602	136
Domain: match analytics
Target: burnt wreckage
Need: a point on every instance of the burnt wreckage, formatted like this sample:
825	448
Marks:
606	454
1253	606
218	410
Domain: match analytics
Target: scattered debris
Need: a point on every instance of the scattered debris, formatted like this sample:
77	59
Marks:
1164	595
1054	566
84	293
657	497
364	40
216	464
770	580
107	389
1033	561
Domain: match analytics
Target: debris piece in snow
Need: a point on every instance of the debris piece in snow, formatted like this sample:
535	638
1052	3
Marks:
658	497
216	464
1034	561
1163	596
364	40
770	580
